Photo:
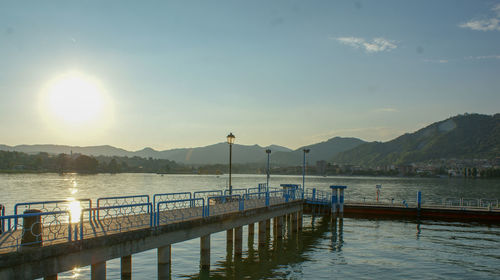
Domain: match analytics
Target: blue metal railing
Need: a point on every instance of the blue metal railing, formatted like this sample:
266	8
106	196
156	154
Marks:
224	204
236	191
175	210
123	213
53	226
206	194
50	206
118	218
169	197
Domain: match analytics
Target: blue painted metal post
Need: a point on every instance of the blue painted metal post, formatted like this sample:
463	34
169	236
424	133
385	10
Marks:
341	201
419	200
334	200
267	198
268	151
338	199
304	169
314	194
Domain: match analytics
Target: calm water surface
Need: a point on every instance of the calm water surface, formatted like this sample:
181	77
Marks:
361	248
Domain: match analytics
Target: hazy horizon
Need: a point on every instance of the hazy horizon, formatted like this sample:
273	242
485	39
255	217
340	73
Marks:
182	74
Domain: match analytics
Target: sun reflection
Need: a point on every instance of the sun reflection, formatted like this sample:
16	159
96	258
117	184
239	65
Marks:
75	209
76	272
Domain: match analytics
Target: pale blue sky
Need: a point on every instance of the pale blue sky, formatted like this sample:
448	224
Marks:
292	73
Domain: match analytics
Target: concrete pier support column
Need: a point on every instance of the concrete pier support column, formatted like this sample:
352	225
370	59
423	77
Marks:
238	241
164	262
279	227
262	233
205	252
126	267
300	220
229	237
294	222
51	277
98	271
251	231
275	227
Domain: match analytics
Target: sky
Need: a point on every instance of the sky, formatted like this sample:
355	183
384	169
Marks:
173	74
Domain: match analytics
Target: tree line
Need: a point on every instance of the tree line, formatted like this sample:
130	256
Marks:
62	163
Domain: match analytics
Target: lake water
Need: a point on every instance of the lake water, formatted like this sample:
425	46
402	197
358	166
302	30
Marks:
362	248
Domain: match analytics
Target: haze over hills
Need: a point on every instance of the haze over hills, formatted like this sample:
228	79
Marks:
212	154
463	136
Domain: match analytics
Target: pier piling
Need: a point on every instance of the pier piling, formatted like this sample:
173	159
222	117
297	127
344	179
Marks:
262	233
229	238
98	271
205	252
164	262
126	267
238	241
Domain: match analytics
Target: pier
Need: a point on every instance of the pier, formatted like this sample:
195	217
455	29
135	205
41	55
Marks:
42	239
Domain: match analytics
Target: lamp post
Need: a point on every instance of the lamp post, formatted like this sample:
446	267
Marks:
268	152
230	141
304	169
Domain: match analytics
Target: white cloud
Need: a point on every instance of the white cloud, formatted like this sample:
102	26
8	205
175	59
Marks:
491	24
373	46
496	9
486	24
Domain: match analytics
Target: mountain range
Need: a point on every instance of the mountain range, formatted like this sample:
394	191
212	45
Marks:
462	136
212	154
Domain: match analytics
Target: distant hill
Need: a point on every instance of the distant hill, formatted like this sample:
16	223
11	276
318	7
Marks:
463	136
319	151
212	154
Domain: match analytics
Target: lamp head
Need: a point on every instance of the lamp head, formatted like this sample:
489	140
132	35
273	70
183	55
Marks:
306	151
268	151
230	138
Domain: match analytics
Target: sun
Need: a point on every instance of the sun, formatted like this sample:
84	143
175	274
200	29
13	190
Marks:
74	98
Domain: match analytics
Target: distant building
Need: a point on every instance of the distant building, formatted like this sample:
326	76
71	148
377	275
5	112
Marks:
321	167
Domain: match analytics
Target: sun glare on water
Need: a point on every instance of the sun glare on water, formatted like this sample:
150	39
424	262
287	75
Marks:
75	209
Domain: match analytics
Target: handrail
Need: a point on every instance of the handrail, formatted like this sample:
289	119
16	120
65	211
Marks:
190	202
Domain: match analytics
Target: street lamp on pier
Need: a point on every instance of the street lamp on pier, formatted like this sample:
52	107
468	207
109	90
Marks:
304	169
230	141
268	152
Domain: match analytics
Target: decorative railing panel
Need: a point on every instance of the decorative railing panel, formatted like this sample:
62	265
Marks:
217	205
115	219
35	229
179	210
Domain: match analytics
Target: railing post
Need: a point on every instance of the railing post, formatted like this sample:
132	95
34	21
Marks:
313	194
